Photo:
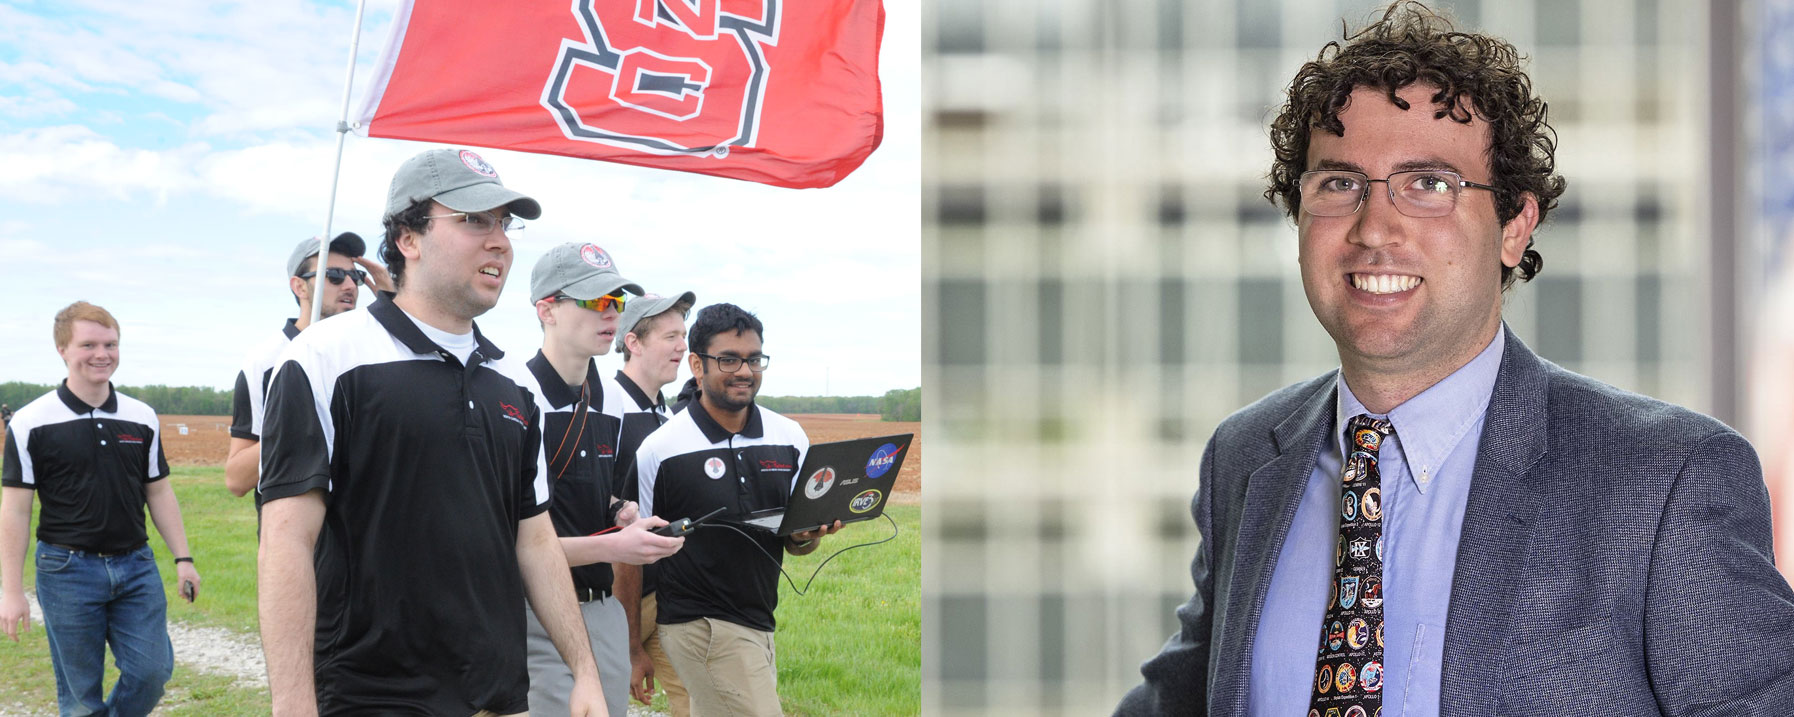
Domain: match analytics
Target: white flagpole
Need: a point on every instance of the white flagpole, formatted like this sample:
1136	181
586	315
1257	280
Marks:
342	133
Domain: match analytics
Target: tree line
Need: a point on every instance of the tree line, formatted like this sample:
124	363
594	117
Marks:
895	405
171	400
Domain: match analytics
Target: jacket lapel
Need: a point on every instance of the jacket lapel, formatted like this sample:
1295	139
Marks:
1496	539
1273	493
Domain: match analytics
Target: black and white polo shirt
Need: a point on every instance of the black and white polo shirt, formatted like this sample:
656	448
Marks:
89	466
692	466
251	392
643	416
428	464
579	455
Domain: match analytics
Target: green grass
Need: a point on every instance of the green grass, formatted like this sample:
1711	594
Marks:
853	643
221	534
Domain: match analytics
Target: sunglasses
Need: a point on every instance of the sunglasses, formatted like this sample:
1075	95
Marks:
599	304
336	276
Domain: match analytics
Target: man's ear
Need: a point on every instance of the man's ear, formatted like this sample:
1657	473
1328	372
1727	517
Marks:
409	244
1518	231
633	343
301	288
545	311
697	365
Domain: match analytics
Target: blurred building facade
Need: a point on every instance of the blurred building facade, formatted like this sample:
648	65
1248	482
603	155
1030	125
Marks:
1104	282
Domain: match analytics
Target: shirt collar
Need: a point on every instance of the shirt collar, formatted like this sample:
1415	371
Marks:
555	388
291	329
640	397
79	406
715	433
399	325
1430	425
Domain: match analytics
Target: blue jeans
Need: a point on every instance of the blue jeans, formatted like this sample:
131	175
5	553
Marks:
90	602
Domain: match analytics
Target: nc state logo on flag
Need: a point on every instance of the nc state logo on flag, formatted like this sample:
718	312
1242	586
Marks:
665	76
780	92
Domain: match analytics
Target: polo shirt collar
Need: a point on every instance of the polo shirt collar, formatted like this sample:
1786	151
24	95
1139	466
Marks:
79	406
556	390
640	397
394	320
291	329
715	433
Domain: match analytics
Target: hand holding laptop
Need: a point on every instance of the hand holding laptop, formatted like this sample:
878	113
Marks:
807	541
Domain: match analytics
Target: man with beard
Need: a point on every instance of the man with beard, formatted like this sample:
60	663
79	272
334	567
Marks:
717	596
652	340
578	296
404	517
242	467
95	457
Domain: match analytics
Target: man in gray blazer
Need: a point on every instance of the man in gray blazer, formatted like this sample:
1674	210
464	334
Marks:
1449	524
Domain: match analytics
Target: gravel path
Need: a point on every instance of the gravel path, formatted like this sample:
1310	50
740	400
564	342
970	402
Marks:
213	650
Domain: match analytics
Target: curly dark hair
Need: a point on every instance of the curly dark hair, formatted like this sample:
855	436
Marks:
1412	44
416	218
718	318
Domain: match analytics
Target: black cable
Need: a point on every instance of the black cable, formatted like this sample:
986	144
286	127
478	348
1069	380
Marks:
781	566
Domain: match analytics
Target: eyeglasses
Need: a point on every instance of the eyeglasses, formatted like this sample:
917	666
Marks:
484	222
599	304
731	364
336	276
1421	194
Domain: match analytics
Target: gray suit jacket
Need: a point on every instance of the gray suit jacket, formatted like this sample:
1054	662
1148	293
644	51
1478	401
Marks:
1615	558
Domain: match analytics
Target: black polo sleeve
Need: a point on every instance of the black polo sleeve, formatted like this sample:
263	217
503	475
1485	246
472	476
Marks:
242	418
534	495
296	452
17	471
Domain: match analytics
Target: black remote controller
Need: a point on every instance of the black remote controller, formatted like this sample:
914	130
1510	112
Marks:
681	527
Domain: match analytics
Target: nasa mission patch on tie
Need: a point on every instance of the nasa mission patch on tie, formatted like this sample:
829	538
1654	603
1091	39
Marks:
1348	675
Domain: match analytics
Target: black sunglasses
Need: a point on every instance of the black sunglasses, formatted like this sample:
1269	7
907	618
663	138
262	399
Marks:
336	276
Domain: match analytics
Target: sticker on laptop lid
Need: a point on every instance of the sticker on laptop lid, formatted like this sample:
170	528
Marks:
865	501
882	460
819	482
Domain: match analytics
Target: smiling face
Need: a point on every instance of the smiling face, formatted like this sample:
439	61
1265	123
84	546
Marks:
457	271
1396	293
728	391
91	353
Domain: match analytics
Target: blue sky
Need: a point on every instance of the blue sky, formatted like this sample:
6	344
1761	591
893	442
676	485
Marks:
162	159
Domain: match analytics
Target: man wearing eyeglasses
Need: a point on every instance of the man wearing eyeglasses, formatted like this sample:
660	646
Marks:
578	296
1450	524
242	467
718	594
404	517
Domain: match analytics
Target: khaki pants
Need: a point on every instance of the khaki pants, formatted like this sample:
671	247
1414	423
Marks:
664	675
727	668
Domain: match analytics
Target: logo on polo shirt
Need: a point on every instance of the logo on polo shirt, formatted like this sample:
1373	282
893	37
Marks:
770	464
128	438
819	483
606	451
882	460
866	500
714	468
514	414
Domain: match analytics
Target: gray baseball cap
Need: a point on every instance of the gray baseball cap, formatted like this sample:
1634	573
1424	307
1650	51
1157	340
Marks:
457	179
347	244
647	305
581	270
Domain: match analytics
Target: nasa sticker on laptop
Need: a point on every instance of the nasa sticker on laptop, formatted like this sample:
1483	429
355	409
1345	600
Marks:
882	460
819	482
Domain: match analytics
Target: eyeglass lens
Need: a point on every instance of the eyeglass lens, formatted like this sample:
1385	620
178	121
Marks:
1419	194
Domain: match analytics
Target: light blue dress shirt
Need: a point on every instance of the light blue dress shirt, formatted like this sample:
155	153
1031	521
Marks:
1426	469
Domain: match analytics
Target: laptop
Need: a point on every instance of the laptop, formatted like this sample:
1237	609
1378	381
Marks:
847	481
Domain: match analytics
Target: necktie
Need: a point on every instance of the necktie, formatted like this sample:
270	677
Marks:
1348	674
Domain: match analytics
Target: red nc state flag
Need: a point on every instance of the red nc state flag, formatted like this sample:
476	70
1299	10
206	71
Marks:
782	92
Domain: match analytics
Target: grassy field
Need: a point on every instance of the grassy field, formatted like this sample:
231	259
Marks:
852	645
